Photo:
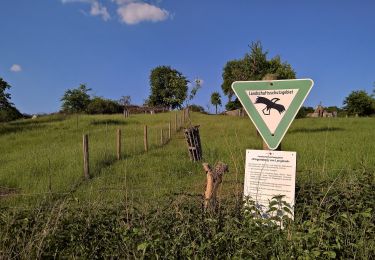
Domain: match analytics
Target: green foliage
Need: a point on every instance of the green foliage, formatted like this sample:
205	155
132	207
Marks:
359	102
168	87
76	100
254	66
232	105
331	221
9	113
197	85
4	97
196	108
127	211
7	110
303	111
100	105
216	100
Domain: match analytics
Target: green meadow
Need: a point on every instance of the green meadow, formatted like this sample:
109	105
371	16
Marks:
42	169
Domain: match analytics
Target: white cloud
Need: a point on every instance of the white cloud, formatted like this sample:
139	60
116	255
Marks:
98	9
134	13
16	68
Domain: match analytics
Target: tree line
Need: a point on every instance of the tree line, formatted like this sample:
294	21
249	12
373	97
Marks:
170	89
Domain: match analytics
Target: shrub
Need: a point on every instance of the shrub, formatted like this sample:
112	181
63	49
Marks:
100	105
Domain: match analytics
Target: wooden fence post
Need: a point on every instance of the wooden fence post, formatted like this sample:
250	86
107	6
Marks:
183	116
175	122
86	168
145	141
161	137
169	131
118	144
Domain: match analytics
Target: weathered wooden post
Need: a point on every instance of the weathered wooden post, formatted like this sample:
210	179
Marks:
118	144
175	122
86	166
145	141
214	179
161	137
194	143
169	131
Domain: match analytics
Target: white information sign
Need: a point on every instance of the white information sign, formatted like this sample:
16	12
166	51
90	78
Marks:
268	174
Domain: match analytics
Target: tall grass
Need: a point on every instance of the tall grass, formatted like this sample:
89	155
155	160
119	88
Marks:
149	204
45	155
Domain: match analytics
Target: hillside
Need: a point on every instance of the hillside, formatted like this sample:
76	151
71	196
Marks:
159	193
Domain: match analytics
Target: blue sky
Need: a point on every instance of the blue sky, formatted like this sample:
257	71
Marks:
48	46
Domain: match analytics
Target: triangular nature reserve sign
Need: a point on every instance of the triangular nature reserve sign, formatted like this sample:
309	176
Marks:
272	105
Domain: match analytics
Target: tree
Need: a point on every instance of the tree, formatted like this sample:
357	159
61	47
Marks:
76	100
254	66
359	102
7	110
216	100
197	85
168	87
4	97
125	101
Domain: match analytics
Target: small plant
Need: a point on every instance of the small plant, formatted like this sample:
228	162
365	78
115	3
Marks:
280	211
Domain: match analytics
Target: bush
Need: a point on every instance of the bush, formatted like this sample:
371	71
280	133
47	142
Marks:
233	105
303	111
100	105
331	221
197	108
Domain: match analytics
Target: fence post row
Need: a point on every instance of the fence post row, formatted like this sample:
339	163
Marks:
86	168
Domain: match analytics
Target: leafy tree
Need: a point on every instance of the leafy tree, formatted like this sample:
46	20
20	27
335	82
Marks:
125	100
168	87
197	85
4	97
254	66
76	100
100	105
216	100
7	110
359	102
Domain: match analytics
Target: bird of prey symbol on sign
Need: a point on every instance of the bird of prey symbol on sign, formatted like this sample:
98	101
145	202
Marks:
269	105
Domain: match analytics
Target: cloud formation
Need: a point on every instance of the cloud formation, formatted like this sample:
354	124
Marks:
129	11
134	13
15	68
97	9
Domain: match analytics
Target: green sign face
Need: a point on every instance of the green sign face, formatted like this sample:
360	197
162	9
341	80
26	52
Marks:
272	105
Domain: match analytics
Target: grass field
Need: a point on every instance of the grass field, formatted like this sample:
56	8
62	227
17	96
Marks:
41	162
